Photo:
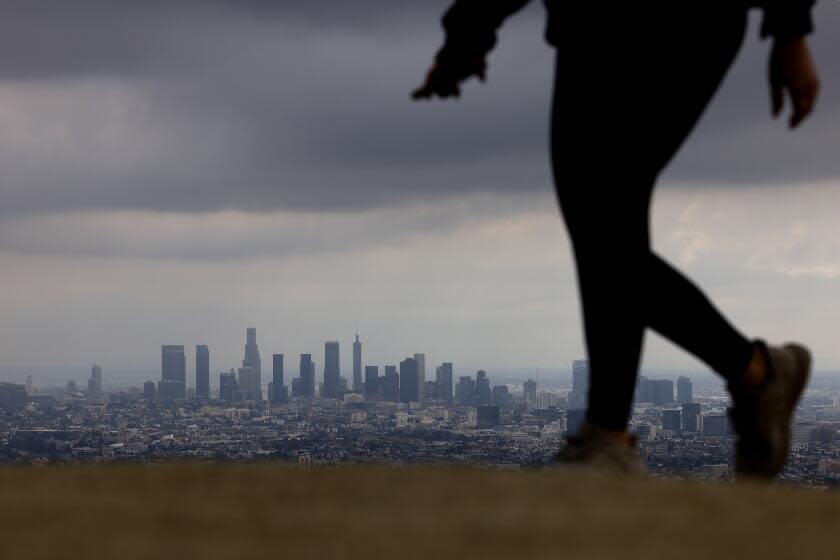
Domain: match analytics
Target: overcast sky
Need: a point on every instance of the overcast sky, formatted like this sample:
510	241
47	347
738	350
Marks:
174	172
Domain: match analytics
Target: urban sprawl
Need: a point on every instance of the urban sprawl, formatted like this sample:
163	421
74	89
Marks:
393	416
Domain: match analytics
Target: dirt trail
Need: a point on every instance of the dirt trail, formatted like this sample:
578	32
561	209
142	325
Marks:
267	511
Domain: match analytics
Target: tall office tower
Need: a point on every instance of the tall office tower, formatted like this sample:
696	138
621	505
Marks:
252	359
332	374
644	393
202	372
307	376
466	391
420	359
95	385
72	387
691	417
149	390
13	396
246	385
579	396
408	381
357	366
278	387
685	390
529	393
390	385
443	378
173	367
227	385
663	391
714	425
672	420
500	396
372	390
29	389
482	389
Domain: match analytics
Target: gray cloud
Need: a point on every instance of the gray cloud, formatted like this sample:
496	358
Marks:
238	236
200	106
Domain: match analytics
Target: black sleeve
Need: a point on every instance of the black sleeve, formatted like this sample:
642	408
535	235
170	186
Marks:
787	19
470	27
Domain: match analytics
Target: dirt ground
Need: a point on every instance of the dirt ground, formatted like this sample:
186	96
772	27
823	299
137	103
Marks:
269	511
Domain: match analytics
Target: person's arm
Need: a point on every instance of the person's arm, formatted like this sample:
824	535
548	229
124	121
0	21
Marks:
787	19
791	69
470	27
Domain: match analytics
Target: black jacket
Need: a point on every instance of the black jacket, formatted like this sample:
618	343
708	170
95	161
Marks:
471	25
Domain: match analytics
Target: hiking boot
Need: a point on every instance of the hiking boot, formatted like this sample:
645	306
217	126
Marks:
762	417
593	448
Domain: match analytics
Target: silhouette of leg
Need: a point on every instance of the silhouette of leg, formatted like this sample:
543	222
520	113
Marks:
678	310
610	284
622	108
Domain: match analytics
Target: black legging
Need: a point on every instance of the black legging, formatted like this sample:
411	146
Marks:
627	93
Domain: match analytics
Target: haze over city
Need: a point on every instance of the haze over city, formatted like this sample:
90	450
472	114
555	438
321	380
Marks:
173	184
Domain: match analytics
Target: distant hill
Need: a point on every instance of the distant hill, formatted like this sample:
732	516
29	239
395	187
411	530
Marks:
268	511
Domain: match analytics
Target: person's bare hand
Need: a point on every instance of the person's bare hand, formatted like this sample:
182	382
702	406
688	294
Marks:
793	71
443	81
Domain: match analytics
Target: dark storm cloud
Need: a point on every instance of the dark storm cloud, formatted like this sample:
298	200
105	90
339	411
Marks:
198	105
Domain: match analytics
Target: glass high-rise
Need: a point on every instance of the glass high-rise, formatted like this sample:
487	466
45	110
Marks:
372	390
332	372
173	372
202	372
357	365
409	388
252	359
278	388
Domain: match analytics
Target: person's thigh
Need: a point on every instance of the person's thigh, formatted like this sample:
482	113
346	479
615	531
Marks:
630	85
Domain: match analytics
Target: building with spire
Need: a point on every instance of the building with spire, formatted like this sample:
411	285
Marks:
252	360
357	364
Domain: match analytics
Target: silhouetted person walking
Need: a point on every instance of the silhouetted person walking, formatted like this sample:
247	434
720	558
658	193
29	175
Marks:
631	81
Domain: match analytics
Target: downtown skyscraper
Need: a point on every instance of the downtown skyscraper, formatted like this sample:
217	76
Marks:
94	385
443	381
278	386
202	372
390	384
332	372
420	359
173	373
357	365
252	360
371	386
685	390
304	385
408	381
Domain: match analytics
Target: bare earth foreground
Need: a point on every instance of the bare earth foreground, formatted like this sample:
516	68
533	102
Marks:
270	511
